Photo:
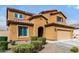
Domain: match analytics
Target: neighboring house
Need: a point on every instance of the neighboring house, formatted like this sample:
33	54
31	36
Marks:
76	30
3	32
50	24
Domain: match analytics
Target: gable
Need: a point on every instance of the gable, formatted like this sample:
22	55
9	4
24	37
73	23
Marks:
11	11
38	17
38	20
60	14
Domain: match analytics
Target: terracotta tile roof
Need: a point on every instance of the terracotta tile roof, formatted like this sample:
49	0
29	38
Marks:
36	16
47	11
20	11
20	23
56	12
59	25
59	13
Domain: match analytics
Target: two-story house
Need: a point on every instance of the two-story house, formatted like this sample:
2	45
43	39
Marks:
50	24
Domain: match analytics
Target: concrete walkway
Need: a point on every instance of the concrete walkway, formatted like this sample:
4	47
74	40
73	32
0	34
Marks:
53	48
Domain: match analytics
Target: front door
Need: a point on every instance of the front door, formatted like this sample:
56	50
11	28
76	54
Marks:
40	31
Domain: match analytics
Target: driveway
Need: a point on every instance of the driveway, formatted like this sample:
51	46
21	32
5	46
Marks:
54	48
60	46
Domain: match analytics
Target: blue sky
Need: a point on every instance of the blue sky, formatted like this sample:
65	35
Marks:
71	11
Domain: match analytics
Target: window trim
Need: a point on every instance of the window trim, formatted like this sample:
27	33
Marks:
18	16
27	31
22	16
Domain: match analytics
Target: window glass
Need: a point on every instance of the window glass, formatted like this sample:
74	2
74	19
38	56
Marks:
59	19
16	15
20	16
22	31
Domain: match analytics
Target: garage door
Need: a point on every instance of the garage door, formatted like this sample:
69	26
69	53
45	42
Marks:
61	35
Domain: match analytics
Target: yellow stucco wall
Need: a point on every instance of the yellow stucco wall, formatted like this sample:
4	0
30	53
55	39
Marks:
38	22
51	32
13	32
11	16
53	18
48	32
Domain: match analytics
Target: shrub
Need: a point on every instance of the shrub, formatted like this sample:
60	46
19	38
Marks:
3	38
2	49
3	45
23	48
34	38
74	49
39	38
42	39
13	42
37	44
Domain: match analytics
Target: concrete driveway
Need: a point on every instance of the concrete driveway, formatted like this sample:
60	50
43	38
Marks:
60	46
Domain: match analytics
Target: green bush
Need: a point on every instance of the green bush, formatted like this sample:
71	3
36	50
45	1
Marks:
13	42
3	45
39	38
3	38
37	44
23	48
74	49
42	39
34	38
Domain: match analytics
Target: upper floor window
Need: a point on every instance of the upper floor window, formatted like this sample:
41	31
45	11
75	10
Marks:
18	16
59	19
21	16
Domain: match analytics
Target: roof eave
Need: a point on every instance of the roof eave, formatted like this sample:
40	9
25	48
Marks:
59	25
20	23
20	11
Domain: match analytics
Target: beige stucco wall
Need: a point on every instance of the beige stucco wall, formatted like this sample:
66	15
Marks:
53	18
13	32
51	32
11	16
38	22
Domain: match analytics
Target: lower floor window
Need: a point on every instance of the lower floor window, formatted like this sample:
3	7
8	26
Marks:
22	31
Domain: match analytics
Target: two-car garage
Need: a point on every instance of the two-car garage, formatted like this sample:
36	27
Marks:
58	32
63	34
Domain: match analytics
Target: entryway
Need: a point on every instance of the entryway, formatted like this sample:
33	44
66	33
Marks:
40	32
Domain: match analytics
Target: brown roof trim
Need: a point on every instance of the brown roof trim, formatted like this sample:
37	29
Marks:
47	11
58	25
20	11
59	13
20	23
36	16
62	14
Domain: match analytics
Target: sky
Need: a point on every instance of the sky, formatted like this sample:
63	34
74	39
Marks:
70	11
